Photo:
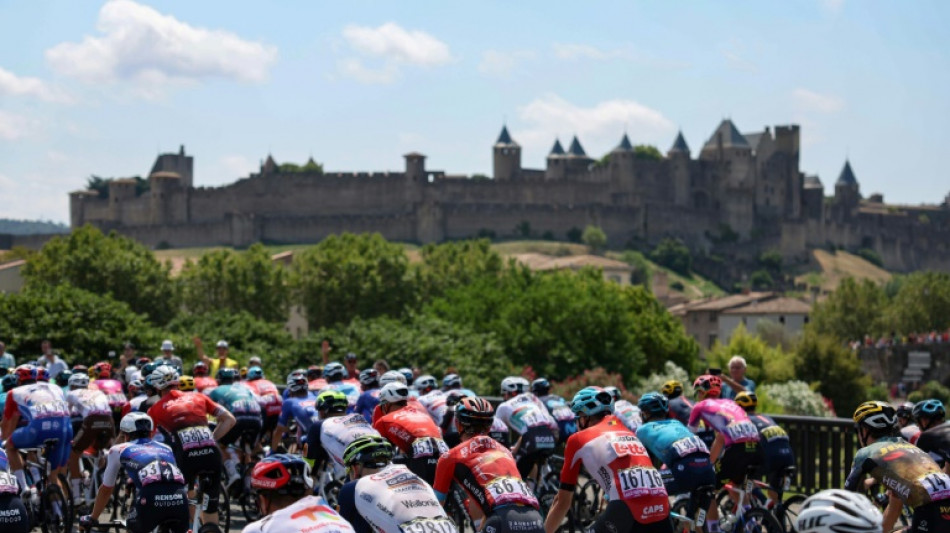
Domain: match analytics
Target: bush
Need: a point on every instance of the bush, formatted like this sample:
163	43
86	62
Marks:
833	370
761	280
574	234
673	254
871	256
931	389
794	398
642	274
596	377
655	381
595	238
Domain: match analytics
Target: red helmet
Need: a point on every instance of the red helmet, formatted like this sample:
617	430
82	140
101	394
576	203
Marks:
709	384
200	369
25	373
283	474
102	370
42	374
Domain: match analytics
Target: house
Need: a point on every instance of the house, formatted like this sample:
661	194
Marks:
702	318
789	312
11	280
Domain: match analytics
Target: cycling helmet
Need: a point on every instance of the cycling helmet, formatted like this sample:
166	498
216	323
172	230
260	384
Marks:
78	381
200	369
905	410
334	372
393	376
474	411
150	367
371	451
589	402
425	383
163	377
406	373
282	473
393	393
243	372
672	389
81	368
614	393
747	400
62	379
839	511
369	377
314	372
136	422
135	387
297	383
541	387
711	385
186	383
42	374
932	408
514	385
332	401
226	376
8	382
654	403
875	415
101	370
25	374
452	381
298	372
255	373
142	361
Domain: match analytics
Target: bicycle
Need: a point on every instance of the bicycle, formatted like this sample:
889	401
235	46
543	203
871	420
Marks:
785	510
753	519
689	511
245	495
545	485
168	526
224	503
50	506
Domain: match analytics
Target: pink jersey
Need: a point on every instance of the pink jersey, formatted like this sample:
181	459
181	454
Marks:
268	396
112	388
726	418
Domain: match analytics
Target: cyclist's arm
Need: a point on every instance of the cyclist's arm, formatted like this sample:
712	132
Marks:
892	512
109	476
11	416
562	503
718	444
444	475
225	420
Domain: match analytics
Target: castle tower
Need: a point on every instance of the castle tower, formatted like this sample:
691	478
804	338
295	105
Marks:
621	166
557	162
179	163
678	155
847	190
577	159
415	167
120	192
163	190
269	166
506	156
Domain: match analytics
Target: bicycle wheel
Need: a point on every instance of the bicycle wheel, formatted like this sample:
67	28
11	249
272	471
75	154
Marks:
679	515
54	511
249	507
758	521
587	500
224	508
787	512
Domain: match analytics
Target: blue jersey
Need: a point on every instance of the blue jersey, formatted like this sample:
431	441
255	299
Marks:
669	440
303	409
3	401
566	423
351	391
144	461
238	399
365	404
4	463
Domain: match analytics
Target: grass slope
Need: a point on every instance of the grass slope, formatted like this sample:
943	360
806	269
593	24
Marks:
828	269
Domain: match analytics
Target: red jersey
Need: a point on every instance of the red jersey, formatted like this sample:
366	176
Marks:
317	384
205	384
378	412
612	450
488	473
404	426
179	410
268	396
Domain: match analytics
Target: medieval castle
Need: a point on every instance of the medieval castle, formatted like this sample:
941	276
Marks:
744	192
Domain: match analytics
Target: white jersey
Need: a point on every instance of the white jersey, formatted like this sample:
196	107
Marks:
338	432
87	402
629	414
136	402
434	402
132	373
525	411
311	514
394	500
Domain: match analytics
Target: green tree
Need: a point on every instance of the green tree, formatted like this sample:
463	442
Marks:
111	265
851	312
834	369
225	280
595	238
931	389
642	273
453	264
348	276
312	167
761	280
673	254
922	303
765	363
523	229
648	152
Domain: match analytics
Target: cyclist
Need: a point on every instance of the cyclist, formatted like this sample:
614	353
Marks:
241	402
670	443
62	380
160	493
269	398
905	419
8	383
625	411
183	419
13	514
186	383
524	413
369	398
384	497
411	430
453	382
334	431
203	382
152	394
776	449
837	511
934	437
914	479
283	484
101	372
557	407
137	395
45	415
315	378
431	397
299	406
680	406
498	497
97	428
449	432
335	374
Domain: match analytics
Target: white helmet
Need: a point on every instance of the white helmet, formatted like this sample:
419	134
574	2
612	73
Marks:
393	392
163	377
135	422
839	511
78	381
514	384
392	376
425	383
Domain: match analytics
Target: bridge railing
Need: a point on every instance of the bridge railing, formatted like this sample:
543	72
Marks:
824	450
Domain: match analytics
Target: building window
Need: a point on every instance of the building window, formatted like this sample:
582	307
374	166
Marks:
712	339
712	318
781	319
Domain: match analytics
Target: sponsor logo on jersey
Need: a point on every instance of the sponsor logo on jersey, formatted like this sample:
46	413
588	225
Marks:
897	486
412	504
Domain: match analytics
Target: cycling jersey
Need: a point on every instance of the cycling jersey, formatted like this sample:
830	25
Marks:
685	455
412	430
177	411
680	409
268	396
562	414
303	409
205	384
239	400
936	442
393	500
726	418
86	402
776	449
13	515
351	391
97	427
486	470
135	403
412	402
523	412
435	403
44	415
314	385
500	432
328	438
112	388
628	413
311	514
367	401
625	472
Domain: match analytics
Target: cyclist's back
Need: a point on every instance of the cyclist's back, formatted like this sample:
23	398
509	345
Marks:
393	500
43	415
680	406
776	448
310	514
411	430
13	514
628	414
557	407
526	415
671	443
936	442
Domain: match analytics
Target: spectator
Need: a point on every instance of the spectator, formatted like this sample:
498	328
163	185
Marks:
221	361
169	357
353	372
53	364
736	381
381	366
6	358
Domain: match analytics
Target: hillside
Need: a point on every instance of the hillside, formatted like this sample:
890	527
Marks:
827	269
31	227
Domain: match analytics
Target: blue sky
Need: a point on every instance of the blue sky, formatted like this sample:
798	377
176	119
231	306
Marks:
101	88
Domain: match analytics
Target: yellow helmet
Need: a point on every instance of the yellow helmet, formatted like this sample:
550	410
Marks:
243	372
186	383
672	388
875	415
747	400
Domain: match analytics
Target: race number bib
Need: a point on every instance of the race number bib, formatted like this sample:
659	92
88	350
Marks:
439	524
937	485
639	481
157	471
195	437
508	490
427	446
245	406
689	445
741	431
8	484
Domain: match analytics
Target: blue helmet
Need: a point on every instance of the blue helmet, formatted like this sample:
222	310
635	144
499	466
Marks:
932	408
407	373
255	372
9	382
540	387
654	403
590	401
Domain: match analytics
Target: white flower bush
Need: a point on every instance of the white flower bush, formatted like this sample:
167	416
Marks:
655	381
792	398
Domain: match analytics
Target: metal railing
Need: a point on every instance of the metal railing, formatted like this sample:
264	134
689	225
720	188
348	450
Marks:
824	450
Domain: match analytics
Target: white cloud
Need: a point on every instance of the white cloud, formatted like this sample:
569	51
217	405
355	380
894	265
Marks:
598	127
237	166
392	42
501	64
354	68
812	101
140	44
13	85
14	127
575	51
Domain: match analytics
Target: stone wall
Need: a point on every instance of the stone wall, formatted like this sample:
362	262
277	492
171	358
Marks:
887	364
